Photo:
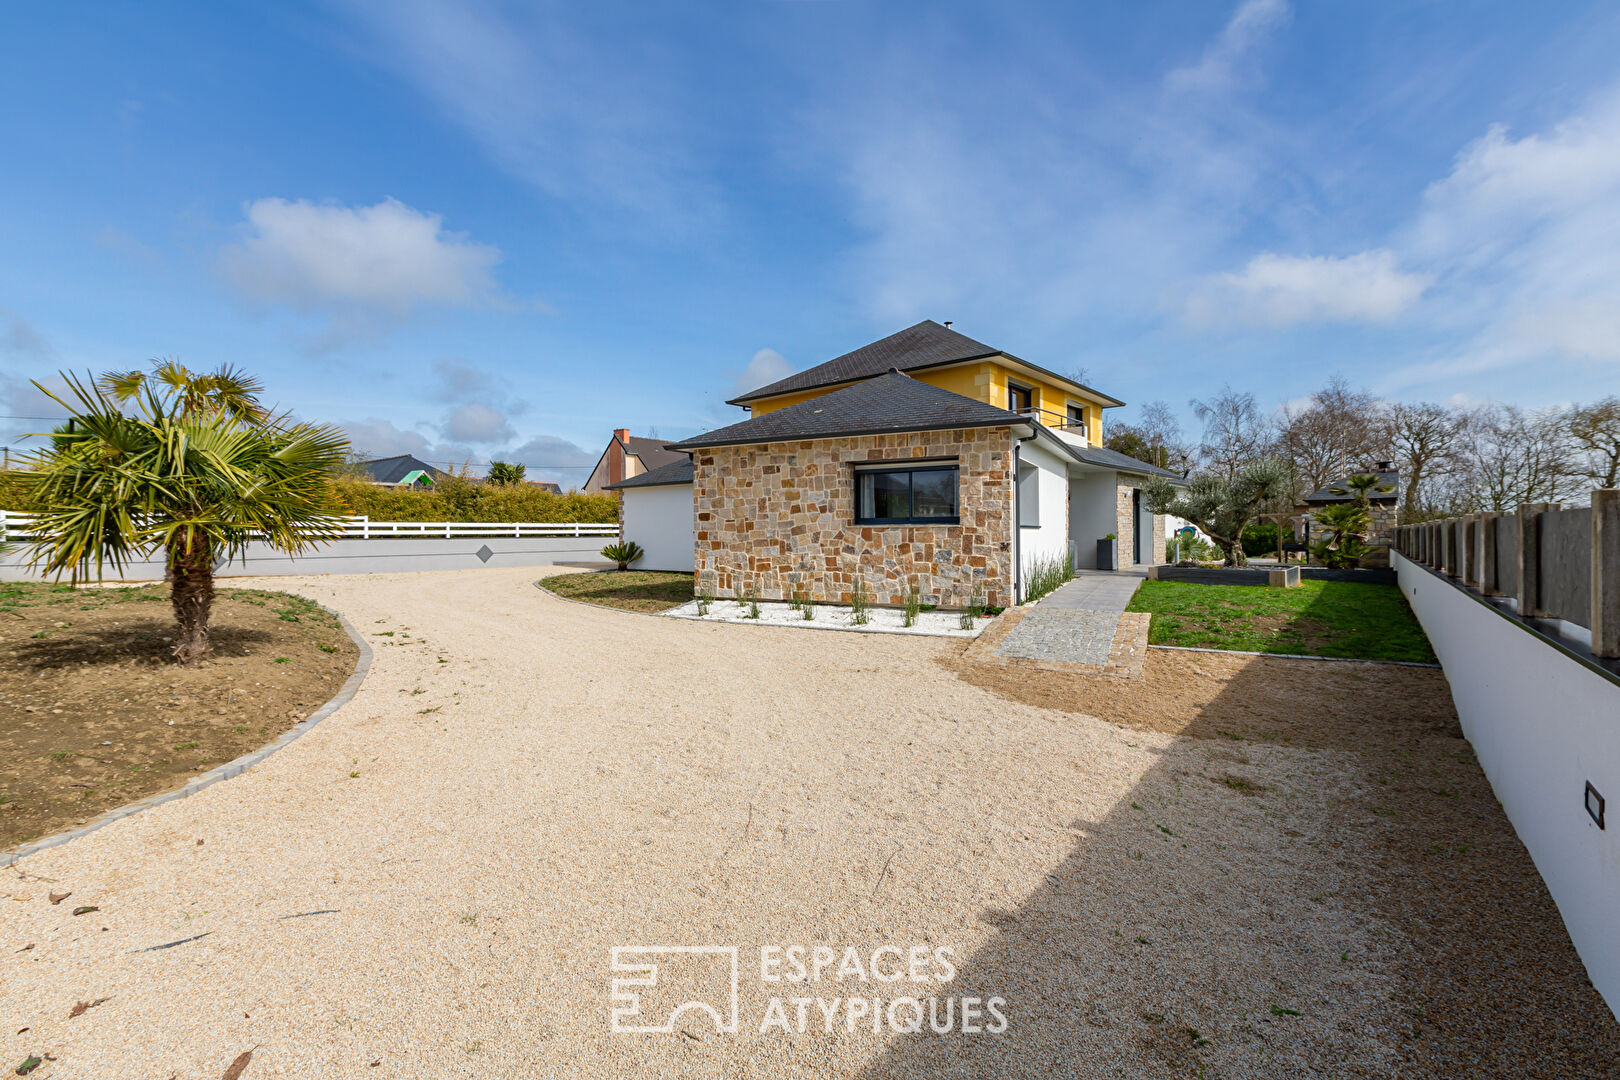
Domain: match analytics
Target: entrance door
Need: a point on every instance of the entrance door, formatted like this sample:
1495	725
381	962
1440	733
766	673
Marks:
1136	525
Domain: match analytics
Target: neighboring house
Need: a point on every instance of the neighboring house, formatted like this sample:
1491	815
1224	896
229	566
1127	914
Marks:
925	460
655	510
627	455
545	485
402	471
1382	500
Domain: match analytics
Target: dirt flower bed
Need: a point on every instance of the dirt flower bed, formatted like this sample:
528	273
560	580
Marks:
93	714
632	590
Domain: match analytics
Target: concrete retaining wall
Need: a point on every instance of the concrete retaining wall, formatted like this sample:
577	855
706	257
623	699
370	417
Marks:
1543	725
370	557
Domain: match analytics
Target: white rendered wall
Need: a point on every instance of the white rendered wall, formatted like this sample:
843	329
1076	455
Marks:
660	520
1050	539
1093	514
1542	726
368	557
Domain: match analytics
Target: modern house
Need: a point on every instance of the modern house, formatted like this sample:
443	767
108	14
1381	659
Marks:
626	456
402	470
926	460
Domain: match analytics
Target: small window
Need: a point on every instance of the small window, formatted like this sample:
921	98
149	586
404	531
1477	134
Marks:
1018	398
923	495
1029	496
1077	419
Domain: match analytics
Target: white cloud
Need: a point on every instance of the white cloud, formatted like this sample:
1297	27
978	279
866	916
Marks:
1522	233
1284	290
386	258
766	367
474	423
1223	63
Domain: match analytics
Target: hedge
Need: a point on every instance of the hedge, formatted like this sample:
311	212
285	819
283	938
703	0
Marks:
454	499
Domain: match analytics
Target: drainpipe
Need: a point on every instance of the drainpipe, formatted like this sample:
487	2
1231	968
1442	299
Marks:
1018	528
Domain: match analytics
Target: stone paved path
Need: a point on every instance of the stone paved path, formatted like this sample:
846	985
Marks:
1075	624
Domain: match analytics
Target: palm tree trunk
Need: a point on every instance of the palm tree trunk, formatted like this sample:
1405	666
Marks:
192	595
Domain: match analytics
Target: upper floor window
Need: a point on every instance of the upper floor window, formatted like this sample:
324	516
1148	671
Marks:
1018	398
1077	420
915	495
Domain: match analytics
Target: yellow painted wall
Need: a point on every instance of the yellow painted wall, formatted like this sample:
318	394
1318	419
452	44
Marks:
983	381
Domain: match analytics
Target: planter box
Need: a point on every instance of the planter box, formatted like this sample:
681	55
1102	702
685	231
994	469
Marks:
1108	554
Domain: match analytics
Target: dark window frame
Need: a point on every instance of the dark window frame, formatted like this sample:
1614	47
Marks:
908	469
1020	388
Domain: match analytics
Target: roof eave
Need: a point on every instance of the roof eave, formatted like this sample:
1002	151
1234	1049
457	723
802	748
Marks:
692	446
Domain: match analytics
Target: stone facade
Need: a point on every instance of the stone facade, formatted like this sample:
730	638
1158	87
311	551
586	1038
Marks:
1124	513
778	518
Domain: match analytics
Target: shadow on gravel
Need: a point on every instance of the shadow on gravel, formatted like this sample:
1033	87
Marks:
1371	914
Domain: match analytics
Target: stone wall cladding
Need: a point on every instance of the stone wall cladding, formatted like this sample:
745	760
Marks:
780	517
1124	521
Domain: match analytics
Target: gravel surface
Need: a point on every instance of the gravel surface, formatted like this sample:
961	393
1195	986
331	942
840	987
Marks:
430	882
833	617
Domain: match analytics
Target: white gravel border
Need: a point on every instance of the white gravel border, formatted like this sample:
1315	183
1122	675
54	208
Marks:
220	772
834	617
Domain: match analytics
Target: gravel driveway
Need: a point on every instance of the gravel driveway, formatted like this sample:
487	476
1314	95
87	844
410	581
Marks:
431	881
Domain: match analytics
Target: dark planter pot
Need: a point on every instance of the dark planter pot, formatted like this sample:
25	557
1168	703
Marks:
1108	554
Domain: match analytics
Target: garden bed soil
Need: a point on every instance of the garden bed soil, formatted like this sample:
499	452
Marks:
94	714
630	590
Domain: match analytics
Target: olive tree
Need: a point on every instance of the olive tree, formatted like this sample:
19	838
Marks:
1223	507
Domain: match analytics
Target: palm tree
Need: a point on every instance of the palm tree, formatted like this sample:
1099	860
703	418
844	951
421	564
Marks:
502	473
1362	485
227	390
197	468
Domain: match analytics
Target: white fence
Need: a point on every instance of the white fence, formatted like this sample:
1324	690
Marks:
15	526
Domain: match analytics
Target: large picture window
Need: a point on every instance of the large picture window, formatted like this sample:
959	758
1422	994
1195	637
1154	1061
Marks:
917	495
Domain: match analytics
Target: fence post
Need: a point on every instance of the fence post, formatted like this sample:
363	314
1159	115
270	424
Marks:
1529	590
1606	572
1490	576
1467	568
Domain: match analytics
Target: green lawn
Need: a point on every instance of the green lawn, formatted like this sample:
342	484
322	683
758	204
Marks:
633	590
1319	618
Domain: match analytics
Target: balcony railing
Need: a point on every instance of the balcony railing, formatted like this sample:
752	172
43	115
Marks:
1055	420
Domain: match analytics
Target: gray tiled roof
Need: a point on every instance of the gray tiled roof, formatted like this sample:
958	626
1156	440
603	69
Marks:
676	472
928	344
1113	459
651	451
391	470
1391	477
882	405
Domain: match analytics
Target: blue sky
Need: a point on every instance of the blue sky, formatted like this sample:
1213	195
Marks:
481	230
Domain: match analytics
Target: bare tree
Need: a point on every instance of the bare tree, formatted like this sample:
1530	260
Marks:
1595	430
1428	442
1156	439
1234	432
1340	431
1518	456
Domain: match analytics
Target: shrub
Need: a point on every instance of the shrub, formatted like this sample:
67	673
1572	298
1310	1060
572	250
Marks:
1046	573
1260	539
457	498
913	606
624	553
858	607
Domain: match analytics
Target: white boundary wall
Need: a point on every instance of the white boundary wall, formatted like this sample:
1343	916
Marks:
367	557
1050	483
660	519
1542	726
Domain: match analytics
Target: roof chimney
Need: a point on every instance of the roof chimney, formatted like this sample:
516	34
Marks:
947	324
622	434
